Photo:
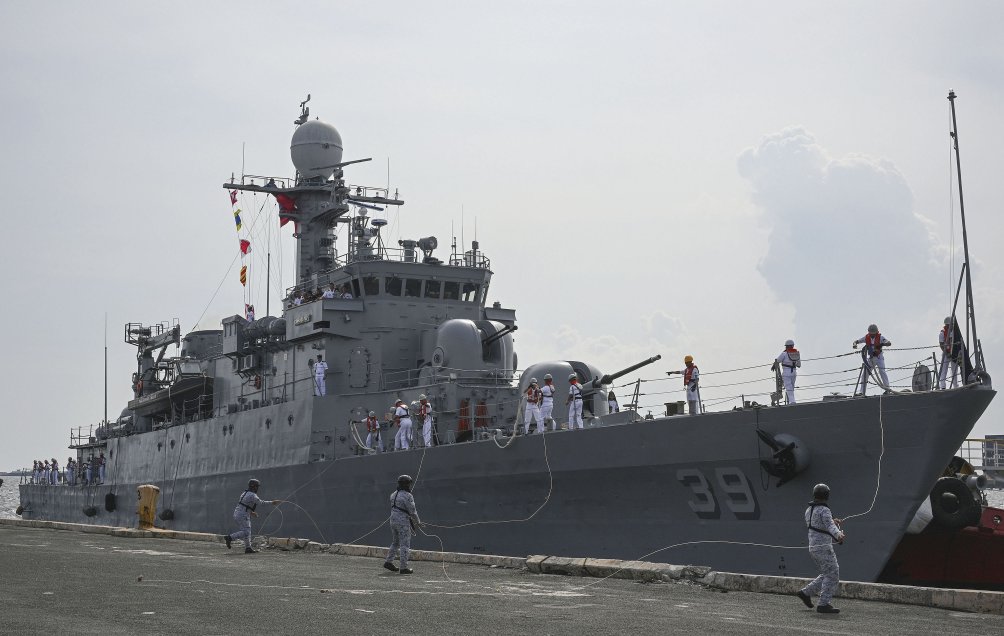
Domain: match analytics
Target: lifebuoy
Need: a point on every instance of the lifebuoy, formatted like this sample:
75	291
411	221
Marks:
953	504
257	382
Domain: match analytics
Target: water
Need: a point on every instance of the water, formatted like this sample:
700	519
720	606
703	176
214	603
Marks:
9	496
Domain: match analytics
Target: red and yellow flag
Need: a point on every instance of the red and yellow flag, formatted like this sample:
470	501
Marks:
244	275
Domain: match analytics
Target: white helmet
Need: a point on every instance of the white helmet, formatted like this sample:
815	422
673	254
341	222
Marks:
372	414
533	380
422	396
948	320
572	376
789	343
873	328
547	376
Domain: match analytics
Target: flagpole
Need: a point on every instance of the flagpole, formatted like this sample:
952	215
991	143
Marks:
268	280
106	368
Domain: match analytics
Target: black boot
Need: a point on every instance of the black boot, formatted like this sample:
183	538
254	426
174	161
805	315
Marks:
390	566
227	539
827	609
250	550
805	598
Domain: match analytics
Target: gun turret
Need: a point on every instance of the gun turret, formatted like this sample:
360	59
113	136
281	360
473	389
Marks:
610	377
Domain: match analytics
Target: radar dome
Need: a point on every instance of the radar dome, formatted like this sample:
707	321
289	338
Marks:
315	145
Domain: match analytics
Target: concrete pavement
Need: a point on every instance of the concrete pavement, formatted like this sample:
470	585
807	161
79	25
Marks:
57	581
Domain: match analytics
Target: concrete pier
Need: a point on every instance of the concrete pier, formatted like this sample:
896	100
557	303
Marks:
57	581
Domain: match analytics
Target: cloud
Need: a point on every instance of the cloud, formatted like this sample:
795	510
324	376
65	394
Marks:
845	246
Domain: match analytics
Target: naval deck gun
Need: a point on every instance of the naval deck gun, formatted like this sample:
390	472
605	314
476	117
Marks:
596	383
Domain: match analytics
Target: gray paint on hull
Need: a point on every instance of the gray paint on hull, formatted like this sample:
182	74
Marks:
616	492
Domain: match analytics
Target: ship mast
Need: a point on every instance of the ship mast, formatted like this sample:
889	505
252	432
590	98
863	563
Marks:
970	309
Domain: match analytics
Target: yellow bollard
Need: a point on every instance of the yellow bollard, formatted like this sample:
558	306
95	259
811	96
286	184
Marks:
147	506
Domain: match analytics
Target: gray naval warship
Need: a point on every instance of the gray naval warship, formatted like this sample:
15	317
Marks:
723	489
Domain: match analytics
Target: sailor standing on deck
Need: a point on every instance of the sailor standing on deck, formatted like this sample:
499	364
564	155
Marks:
950	341
248	501
691	378
373	431
574	403
320	370
789	360
101	468
54	473
71	469
534	397
403	521
425	416
823	531
402	439
547	403
873	342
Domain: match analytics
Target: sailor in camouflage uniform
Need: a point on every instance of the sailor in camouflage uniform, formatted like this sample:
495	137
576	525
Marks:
245	509
823	531
403	522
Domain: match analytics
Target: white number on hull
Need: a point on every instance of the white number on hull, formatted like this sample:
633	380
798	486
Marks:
732	482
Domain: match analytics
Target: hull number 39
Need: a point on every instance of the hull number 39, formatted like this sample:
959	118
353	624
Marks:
732	488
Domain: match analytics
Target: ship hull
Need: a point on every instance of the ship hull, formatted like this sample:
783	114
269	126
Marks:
685	489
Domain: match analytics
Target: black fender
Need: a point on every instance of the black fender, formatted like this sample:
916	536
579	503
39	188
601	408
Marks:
953	504
110	502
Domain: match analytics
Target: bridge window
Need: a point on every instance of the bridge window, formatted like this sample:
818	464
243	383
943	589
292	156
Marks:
393	285
470	294
355	287
413	288
451	290
371	285
433	288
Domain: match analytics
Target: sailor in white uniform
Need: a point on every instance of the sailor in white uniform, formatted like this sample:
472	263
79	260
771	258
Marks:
320	370
373	431
823	531
691	379
950	342
612	405
402	439
789	360
245	509
873	342
329	292
574	402
425	415
534	396
547	403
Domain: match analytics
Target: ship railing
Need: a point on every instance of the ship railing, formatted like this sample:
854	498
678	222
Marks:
334	274
983	454
405	379
86	435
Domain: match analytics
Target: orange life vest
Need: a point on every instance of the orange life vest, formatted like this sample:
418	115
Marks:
874	343
688	373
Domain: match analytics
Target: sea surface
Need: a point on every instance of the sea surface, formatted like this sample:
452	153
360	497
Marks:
9	497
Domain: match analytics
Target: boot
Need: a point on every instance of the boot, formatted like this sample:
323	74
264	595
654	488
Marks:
827	609
227	539
390	566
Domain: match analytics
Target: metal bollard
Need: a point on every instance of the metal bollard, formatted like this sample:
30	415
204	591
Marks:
147	505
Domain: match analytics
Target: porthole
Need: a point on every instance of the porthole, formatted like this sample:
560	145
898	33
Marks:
188	437
172	443
268	423
160	445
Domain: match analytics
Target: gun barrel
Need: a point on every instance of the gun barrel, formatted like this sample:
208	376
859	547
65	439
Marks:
610	377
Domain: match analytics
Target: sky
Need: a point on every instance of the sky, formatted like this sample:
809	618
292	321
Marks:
647	178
